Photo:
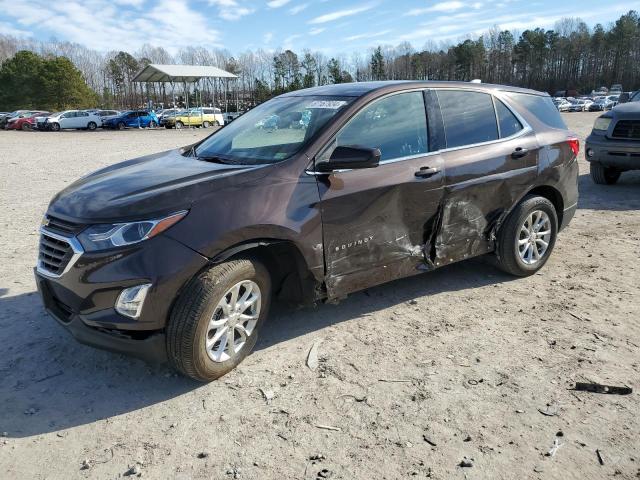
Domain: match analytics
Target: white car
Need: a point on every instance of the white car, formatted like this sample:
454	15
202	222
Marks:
73	119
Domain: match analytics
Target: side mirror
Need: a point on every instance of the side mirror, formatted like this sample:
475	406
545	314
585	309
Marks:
350	157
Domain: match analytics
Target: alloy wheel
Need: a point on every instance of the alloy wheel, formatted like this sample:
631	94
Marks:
233	321
534	237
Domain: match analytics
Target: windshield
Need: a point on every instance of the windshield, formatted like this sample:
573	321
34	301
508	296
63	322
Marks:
635	97
273	131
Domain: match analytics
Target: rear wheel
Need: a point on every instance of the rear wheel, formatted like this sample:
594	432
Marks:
216	123
179	124
528	236
603	175
215	322
206	124
92	126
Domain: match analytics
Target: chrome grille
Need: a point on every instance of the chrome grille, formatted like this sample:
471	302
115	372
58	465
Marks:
57	253
628	129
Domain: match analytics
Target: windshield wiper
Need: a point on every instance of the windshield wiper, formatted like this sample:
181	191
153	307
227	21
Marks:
212	159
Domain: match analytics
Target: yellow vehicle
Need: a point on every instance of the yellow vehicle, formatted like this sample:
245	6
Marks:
196	117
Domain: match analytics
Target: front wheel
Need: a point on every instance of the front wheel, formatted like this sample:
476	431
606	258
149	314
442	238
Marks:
92	126
206	124
55	127
26	127
121	126
603	175
527	238
215	322
179	124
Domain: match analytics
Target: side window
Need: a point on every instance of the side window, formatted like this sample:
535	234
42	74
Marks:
84	114
509	124
208	111
468	117
397	125
541	107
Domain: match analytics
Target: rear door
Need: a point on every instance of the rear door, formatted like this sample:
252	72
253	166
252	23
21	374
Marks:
490	160
377	221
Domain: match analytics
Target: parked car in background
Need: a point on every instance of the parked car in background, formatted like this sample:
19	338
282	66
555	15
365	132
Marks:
580	105
601	104
616	89
72	119
176	256
25	121
169	117
196	117
624	97
230	116
562	104
614	144
613	99
132	119
4	119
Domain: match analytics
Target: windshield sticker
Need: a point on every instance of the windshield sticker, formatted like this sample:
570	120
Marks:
329	104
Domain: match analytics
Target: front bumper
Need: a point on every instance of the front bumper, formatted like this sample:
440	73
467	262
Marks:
82	300
622	154
151	348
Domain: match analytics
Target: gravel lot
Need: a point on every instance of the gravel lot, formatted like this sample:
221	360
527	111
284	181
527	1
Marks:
469	356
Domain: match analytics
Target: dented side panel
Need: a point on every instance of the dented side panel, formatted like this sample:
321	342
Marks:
376	222
483	183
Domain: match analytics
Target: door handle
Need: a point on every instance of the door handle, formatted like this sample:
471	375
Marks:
426	172
519	152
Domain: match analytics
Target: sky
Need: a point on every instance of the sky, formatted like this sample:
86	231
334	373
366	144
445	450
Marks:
331	26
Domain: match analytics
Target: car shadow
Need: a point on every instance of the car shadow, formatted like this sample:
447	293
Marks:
49	382
624	195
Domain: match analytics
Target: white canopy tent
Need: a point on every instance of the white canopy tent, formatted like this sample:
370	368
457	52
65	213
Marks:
185	74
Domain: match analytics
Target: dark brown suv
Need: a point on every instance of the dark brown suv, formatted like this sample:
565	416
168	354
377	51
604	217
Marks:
310	196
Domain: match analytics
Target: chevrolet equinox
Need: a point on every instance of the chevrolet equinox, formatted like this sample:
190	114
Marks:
308	197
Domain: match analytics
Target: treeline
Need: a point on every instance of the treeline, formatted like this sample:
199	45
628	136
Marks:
570	56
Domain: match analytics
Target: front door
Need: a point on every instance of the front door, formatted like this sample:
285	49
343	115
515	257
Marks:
377	221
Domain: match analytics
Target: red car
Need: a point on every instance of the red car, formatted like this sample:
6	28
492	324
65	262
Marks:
26	121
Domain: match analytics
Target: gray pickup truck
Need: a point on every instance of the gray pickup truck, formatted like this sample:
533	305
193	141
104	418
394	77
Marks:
614	144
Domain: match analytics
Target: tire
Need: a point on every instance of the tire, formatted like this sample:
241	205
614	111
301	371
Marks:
55	127
603	175
92	126
206	124
167	126
200	301
152	124
121	126
216	123
179	124
26	127
511	235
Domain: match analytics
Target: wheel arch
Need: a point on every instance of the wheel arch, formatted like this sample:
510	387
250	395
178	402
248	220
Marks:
553	195
291	276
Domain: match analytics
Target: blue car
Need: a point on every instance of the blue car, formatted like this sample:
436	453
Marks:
132	118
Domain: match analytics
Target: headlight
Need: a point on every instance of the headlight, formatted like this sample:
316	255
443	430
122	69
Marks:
602	123
111	235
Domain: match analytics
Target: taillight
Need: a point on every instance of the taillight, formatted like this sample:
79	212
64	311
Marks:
574	143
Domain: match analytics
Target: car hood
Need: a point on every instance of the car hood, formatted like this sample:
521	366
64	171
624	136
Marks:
627	110
146	187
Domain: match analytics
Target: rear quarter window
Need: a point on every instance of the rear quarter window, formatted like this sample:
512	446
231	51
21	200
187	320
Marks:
540	107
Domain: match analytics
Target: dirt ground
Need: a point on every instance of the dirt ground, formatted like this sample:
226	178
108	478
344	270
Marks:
414	375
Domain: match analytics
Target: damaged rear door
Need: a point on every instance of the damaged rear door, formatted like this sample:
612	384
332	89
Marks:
376	221
491	162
